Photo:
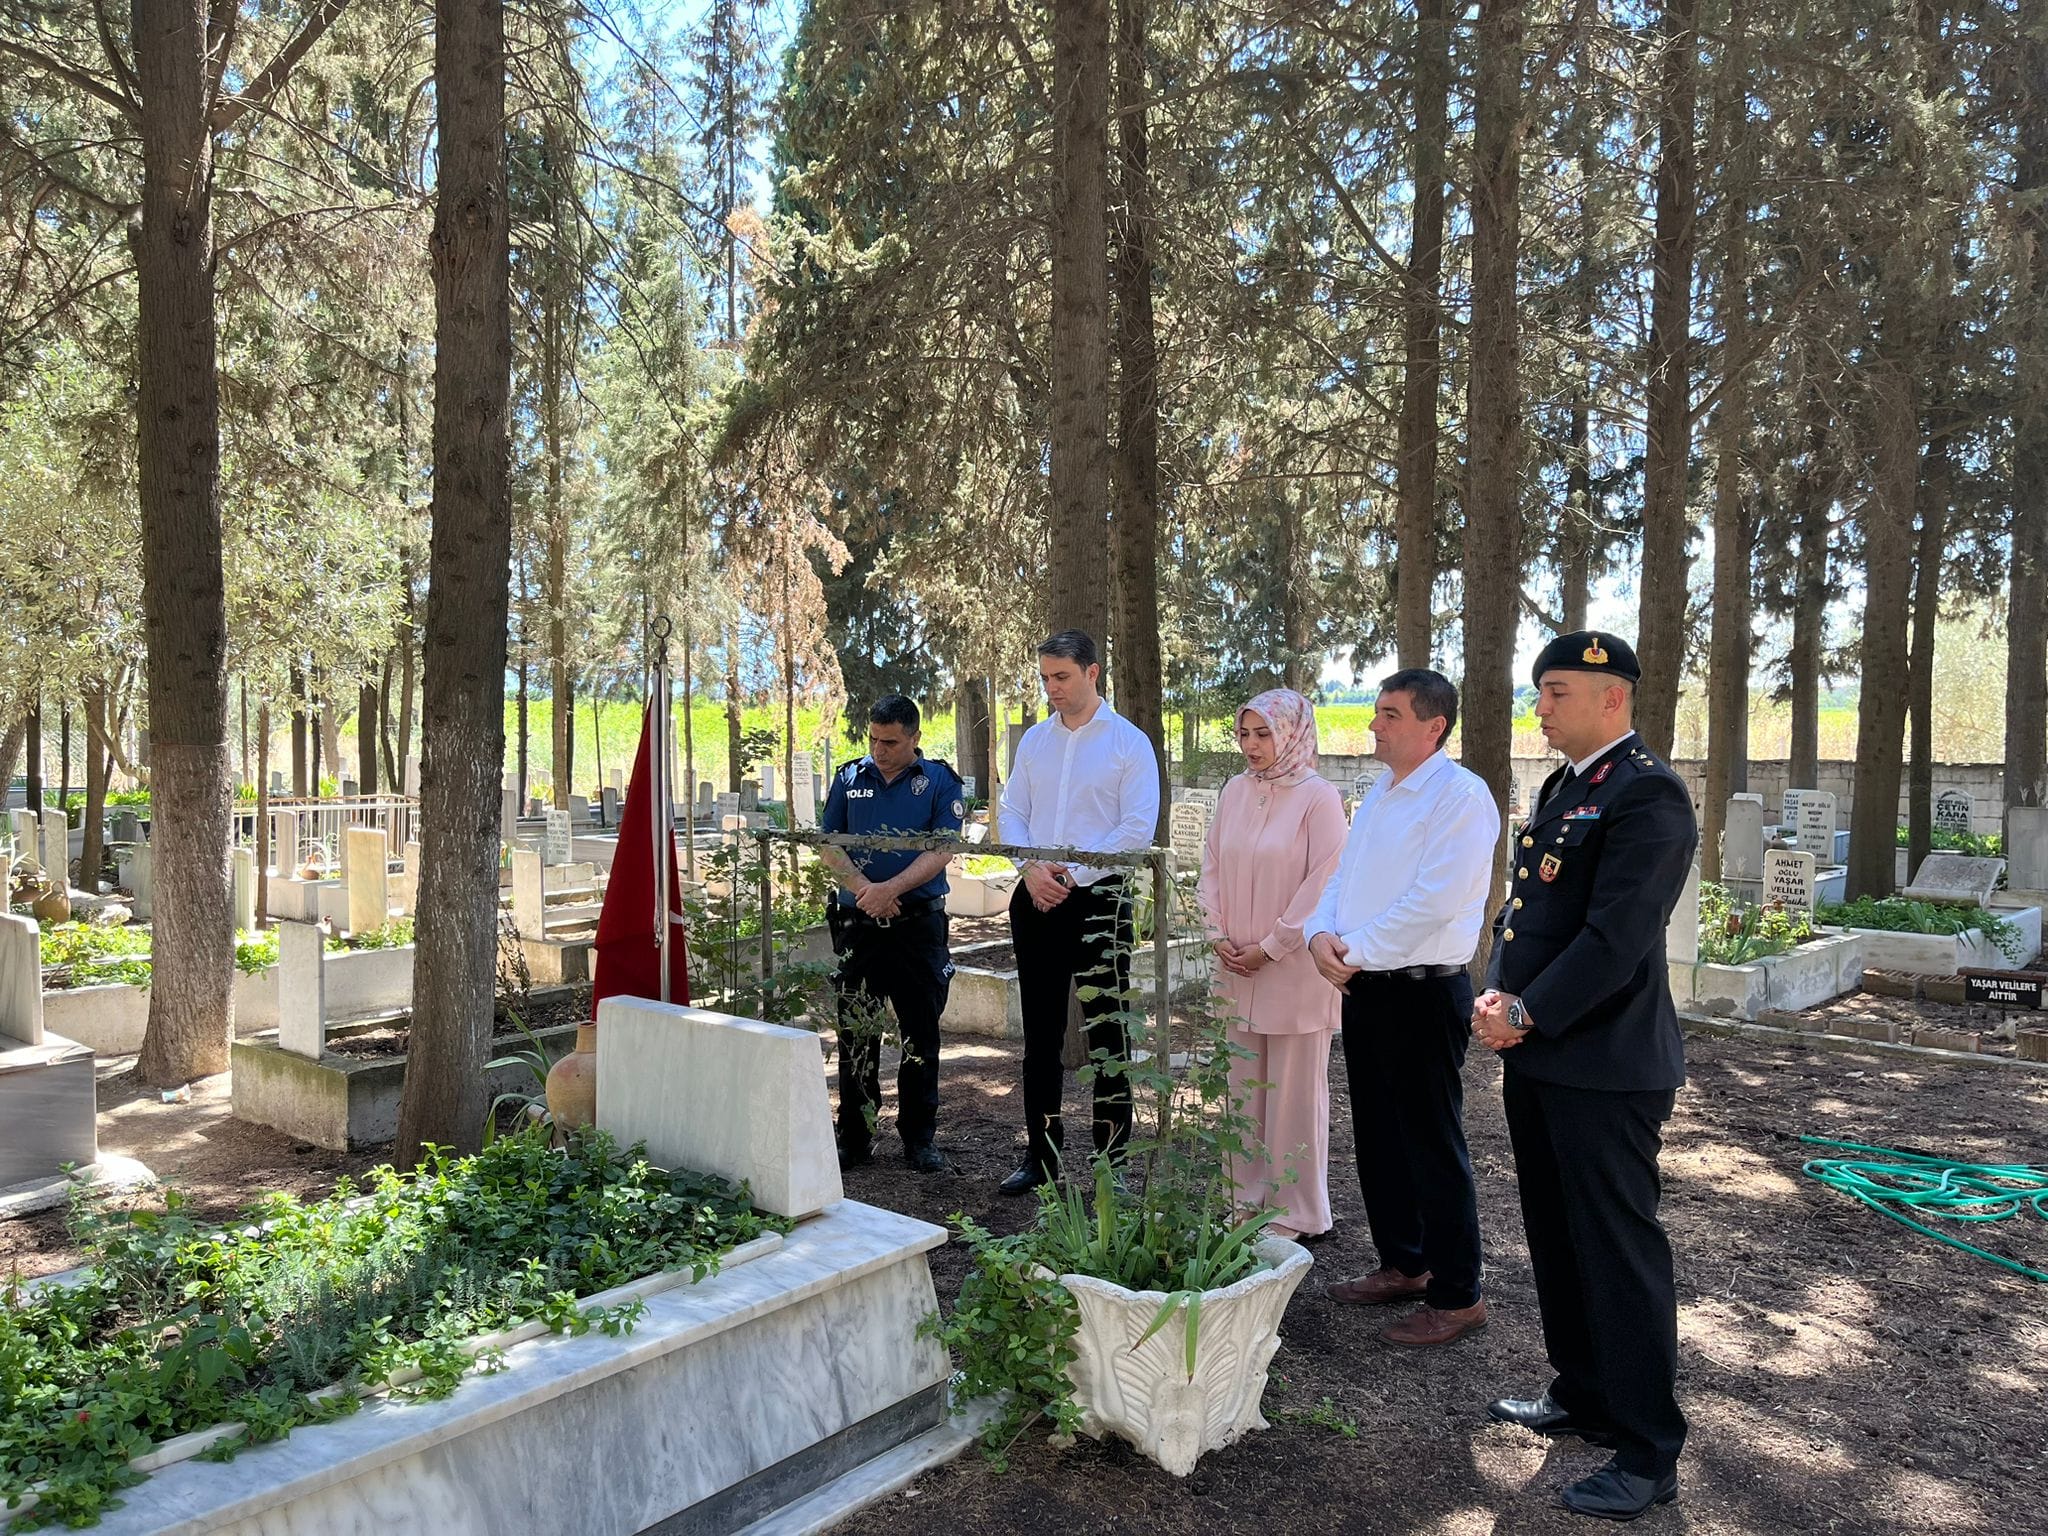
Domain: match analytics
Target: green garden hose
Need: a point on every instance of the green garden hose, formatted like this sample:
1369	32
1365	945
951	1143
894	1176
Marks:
1938	1187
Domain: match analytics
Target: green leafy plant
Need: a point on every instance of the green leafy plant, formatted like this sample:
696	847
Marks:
1895	914
93	954
1978	845
1732	933
534	1057
396	934
1167	1221
179	1327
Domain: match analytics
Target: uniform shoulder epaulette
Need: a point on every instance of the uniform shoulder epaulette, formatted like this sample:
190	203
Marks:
940	762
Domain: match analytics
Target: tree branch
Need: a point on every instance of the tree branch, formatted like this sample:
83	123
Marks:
64	179
259	90
96	88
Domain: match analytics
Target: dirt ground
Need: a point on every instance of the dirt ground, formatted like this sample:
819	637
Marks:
1841	1373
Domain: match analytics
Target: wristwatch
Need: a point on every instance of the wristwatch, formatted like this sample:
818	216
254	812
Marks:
1518	1016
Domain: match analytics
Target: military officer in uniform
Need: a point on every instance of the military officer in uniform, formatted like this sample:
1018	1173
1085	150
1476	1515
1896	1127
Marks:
888	923
1579	1007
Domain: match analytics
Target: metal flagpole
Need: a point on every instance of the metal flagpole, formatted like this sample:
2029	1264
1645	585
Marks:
664	809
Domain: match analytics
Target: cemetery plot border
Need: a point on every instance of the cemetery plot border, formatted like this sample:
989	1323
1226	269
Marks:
1825	967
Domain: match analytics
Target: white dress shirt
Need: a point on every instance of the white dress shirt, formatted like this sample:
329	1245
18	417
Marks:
1413	883
1095	789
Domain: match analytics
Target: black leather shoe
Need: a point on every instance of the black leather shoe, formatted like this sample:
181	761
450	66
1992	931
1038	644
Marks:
855	1157
1543	1415
926	1158
1612	1494
1026	1178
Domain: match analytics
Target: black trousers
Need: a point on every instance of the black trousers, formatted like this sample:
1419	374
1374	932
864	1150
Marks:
1085	939
1404	1053
907	965
1586	1161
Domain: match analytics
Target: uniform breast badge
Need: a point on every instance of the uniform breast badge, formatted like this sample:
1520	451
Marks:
1549	868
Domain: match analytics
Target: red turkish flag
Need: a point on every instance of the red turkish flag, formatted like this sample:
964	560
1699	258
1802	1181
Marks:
628	947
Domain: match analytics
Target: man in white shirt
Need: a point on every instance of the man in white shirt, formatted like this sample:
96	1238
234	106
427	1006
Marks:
1084	778
1397	925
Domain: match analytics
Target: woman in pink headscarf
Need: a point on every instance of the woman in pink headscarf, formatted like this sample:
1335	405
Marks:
1273	845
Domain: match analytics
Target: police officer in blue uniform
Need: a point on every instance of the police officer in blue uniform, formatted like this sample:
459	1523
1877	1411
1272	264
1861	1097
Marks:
888	922
1579	1007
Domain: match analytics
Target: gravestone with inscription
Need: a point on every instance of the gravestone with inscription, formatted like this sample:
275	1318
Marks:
803	792
1955	879
559	841
1816	825
1742	840
1952	811
1788	879
1188	829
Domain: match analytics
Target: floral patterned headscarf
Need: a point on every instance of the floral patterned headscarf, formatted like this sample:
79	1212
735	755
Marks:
1293	722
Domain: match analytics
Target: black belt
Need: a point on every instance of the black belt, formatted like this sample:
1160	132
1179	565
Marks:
1416	972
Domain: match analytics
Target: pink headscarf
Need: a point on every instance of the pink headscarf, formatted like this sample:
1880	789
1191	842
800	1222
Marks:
1293	721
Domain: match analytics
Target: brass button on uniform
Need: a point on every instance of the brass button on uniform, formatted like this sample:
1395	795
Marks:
1528	842
1518	903
1507	935
1521	874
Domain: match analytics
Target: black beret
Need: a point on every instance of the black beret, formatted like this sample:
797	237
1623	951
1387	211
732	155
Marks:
1587	650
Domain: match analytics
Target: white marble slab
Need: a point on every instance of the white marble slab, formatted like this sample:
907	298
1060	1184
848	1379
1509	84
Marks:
301	990
600	1436
369	893
529	894
21	979
735	1097
56	844
245	890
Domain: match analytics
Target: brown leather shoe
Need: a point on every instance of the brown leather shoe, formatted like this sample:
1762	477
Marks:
1383	1285
1429	1326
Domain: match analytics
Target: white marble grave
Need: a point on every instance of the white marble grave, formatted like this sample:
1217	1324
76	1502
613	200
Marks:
21	980
369	879
1742	840
767	781
301	990
1682	933
56	854
284	842
1187	826
730	1096
245	890
558	843
1955	879
2026	847
1953	811
803	792
1788	878
28	835
529	895
1816	826
139	875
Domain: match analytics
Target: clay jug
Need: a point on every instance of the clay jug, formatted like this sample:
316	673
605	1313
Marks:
572	1082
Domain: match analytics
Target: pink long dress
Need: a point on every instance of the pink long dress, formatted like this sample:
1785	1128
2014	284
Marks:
1271	850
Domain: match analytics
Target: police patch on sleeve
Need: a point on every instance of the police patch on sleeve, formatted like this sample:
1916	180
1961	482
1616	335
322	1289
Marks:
959	808
920	784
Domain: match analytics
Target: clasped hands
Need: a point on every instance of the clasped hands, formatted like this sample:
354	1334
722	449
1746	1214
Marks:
879	899
1490	1026
1240	959
1044	885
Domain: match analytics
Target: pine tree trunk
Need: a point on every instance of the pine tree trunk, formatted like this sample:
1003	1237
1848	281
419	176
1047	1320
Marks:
300	733
734	769
366	736
1887	518
1139	681
2026	653
191	1002
971	734
1809	603
10	750
264	852
34	743
92	846
1660	643
1415	454
1934	492
1731	646
1079	488
469	576
1493	558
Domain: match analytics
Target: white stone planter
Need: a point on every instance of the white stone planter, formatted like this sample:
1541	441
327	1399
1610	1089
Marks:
978	895
1143	1392
1941	954
1797	979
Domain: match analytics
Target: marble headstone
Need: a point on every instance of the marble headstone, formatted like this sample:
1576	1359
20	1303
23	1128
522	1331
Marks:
1209	797
579	810
1788	814
735	1097
725	806
508	813
1952	811
369	887
56	845
301	990
21	979
609	799
406	888
1742	840
1682	933
1955	879
350	789
284	842
750	796
2026	847
1816	825
767	781
971	785
1187	826
127	827
277	781
28	834
558	843
245	890
615	779
803	792
1788	879
412	777
529	895
142	880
